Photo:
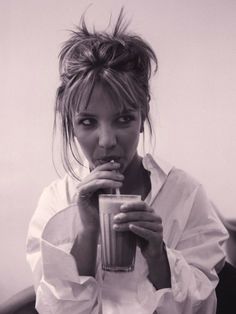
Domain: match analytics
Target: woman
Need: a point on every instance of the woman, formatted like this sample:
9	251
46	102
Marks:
102	104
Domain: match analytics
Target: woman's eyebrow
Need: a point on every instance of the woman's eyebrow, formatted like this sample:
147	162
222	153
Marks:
126	111
84	114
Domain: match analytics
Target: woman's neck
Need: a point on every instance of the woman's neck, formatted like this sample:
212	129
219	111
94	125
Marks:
137	180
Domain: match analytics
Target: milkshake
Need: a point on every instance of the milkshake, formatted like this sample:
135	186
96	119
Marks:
118	248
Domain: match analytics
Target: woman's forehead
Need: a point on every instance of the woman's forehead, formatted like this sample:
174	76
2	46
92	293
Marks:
99	108
103	96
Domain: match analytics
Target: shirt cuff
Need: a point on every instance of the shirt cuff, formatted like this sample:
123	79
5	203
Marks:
185	288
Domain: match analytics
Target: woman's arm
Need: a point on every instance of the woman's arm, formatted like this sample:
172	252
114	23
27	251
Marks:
62	245
84	251
194	253
84	248
162	278
59	289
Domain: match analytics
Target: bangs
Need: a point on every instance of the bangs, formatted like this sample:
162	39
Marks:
80	93
122	89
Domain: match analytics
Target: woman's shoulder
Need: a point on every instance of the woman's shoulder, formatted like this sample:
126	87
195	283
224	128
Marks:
174	177
60	191
55	197
61	184
172	172
184	178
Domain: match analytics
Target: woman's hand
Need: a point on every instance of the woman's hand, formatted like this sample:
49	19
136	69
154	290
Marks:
139	218
104	176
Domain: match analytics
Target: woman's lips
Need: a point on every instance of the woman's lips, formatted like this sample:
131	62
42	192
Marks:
105	160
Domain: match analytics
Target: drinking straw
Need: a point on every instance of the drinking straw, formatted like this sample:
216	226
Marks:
117	190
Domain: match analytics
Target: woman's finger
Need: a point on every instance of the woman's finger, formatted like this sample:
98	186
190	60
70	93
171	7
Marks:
137	206
97	184
102	174
112	175
107	166
146	234
153	226
124	217
142	232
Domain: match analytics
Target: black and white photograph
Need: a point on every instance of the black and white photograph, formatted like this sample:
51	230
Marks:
118	151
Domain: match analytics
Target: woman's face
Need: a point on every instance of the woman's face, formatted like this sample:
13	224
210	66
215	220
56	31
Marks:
104	132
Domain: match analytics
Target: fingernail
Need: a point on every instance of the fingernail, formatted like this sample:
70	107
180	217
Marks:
123	207
120	176
119	216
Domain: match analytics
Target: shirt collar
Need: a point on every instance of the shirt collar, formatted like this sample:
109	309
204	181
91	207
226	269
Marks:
159	171
150	163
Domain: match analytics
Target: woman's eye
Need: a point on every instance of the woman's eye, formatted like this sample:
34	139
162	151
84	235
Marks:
87	122
125	119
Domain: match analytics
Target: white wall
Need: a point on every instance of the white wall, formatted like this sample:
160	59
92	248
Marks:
194	92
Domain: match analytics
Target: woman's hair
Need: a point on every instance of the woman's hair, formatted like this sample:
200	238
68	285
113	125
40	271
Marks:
119	60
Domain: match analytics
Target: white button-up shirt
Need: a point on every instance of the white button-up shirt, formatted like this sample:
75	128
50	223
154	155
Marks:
192	233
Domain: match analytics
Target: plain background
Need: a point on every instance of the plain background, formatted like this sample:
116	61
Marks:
194	92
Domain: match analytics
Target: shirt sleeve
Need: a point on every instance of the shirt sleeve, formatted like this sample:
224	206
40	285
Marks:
194	264
59	288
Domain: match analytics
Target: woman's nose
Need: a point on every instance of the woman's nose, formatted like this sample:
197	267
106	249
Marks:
107	137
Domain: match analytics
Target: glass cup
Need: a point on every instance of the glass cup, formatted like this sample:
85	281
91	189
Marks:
118	248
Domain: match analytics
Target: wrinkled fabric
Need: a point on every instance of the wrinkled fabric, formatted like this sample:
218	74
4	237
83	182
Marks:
192	233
